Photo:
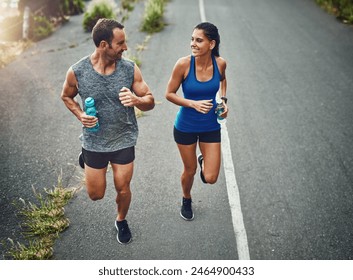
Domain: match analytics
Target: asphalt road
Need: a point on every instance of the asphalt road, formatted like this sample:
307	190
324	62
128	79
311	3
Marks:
290	89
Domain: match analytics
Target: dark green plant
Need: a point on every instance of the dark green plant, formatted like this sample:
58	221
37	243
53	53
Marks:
72	7
42	223
153	16
127	4
342	9
100	10
42	28
53	7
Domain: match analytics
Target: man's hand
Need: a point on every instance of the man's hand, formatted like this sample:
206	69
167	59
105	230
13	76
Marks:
88	121
127	98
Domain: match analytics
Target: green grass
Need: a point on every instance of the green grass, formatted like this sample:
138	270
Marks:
153	17
42	223
342	9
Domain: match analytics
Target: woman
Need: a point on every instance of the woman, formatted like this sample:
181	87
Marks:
201	75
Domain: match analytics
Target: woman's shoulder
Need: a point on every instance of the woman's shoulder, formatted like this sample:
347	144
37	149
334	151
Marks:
221	61
182	66
222	65
184	61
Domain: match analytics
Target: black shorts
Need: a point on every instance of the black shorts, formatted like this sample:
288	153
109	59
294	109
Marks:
188	138
99	160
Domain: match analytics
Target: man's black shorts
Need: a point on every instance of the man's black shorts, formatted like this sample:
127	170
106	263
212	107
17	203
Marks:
99	160
188	138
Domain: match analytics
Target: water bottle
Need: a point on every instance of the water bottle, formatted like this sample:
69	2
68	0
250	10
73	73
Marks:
219	111
91	111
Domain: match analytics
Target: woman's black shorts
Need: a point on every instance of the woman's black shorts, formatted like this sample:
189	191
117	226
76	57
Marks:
188	138
100	160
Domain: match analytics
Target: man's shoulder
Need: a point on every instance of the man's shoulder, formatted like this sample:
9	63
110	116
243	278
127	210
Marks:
82	61
127	62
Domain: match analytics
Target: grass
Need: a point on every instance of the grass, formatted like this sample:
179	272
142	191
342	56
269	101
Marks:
11	50
153	16
42	223
342	9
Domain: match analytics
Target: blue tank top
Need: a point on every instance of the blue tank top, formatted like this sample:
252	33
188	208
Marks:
188	119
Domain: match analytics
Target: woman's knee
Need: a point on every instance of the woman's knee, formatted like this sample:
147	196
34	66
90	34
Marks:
190	171
211	178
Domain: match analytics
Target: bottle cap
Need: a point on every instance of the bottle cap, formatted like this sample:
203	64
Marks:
89	101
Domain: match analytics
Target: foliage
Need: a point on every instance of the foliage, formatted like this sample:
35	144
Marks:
153	16
41	28
42	224
98	9
53	8
127	4
72	7
342	9
9	51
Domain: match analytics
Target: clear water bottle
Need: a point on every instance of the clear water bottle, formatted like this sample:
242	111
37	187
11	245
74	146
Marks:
219	111
91	111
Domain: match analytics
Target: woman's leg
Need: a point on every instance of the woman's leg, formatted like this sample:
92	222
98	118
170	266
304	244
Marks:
188	156
211	153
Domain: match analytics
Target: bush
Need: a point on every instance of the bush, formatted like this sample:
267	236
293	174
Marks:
153	17
42	28
342	9
53	8
72	7
98	9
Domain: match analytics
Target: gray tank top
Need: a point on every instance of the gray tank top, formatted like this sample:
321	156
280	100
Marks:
118	125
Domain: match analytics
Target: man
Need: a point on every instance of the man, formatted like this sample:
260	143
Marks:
117	86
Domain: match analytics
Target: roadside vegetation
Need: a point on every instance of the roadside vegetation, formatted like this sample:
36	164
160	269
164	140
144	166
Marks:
45	17
342	9
42	223
98	9
153	17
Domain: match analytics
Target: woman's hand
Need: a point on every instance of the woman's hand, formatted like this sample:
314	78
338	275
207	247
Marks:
225	111
202	106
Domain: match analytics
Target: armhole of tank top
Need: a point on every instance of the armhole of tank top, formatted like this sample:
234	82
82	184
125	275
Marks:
191	68
216	68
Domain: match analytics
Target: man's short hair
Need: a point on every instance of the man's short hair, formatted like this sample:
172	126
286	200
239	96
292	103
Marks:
103	30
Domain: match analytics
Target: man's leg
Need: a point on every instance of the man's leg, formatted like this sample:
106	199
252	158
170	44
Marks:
122	177
95	182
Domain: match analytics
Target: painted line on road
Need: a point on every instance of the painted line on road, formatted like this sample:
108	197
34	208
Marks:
232	186
202	11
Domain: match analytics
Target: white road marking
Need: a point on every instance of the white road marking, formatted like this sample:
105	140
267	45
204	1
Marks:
232	186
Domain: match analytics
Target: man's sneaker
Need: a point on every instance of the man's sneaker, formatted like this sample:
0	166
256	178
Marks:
186	210
81	161
200	160
124	233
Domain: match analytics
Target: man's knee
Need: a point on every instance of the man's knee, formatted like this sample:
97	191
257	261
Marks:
95	195
95	191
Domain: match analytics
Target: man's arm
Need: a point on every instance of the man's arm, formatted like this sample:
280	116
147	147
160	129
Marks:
68	95
143	98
